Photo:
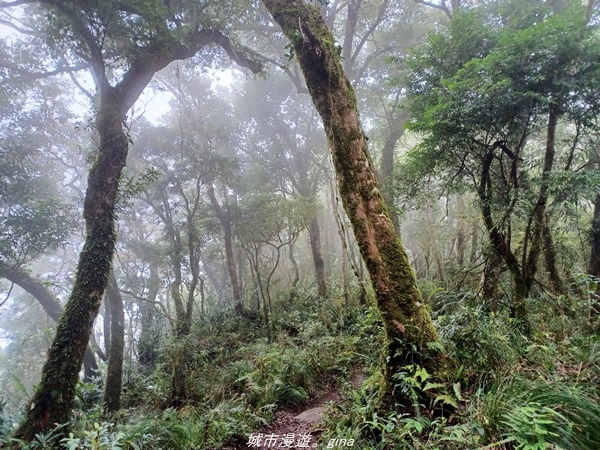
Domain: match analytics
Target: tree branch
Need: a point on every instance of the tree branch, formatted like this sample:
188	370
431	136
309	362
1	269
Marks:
16	3
9	24
441	6
26	75
380	17
158	55
239	56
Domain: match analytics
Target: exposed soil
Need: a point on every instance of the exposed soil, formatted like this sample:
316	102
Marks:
298	428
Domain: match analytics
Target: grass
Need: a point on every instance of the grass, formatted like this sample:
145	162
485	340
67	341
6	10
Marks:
511	391
506	391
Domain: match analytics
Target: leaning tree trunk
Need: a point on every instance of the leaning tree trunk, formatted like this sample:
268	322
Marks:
53	399
114	372
408	327
51	305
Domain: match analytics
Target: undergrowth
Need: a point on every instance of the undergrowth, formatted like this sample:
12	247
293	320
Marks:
505	391
238	376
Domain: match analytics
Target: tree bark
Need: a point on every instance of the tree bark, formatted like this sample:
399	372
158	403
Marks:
594	262
551	258
225	222
408	326
344	244
53	400
594	266
295	270
114	373
217	282
539	213
474	244
349	34
149	333
106	326
50	304
314	234
386	168
178	352
491	281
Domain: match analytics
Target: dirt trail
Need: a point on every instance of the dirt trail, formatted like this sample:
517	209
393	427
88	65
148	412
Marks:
299	429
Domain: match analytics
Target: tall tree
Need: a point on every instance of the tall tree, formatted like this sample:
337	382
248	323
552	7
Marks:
492	102
411	335
290	147
114	371
137	39
33	221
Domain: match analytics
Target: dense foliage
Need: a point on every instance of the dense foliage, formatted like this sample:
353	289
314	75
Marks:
237	296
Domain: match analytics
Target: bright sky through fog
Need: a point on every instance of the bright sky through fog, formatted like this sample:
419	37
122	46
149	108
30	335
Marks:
154	103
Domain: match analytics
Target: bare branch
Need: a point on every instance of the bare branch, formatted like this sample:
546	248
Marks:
294	78
238	55
12	285
26	75
380	17
16	3
441	6
9	24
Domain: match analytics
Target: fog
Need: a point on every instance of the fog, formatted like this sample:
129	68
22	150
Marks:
227	213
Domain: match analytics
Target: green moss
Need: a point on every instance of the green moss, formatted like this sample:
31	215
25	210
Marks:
407	323
54	397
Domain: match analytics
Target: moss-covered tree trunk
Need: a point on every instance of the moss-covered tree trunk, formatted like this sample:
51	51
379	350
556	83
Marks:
114	372
50	304
53	399
408	326
491	281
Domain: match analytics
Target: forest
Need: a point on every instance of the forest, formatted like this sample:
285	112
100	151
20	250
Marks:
366	224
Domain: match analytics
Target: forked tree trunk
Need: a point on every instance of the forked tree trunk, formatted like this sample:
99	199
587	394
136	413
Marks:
225	221
386	168
53	400
409	329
